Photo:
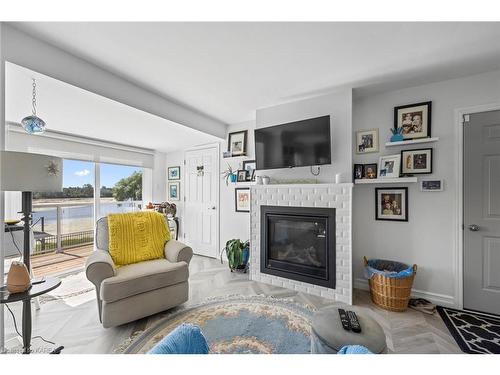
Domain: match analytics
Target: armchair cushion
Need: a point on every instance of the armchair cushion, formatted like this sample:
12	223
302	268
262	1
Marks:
176	251
142	277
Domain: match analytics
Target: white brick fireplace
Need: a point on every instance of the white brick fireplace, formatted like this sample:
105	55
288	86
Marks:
338	196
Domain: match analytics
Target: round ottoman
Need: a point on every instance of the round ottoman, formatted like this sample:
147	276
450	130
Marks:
328	335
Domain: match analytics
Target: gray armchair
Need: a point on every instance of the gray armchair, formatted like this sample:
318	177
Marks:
137	290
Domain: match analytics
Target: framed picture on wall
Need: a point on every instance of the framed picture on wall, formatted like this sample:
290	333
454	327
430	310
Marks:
174	173
432	185
250	166
370	171
237	143
242	199
174	191
391	204
358	171
367	141
388	166
242	175
416	161
414	119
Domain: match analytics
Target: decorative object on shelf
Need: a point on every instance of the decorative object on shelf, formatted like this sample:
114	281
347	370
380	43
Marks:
174	173
339	178
266	180
242	199
174	191
242	175
370	171
33	124
237	143
414	119
258	180
228	175
237	253
431	185
226	154
416	161
358	171
389	165
250	166
367	141
391	204
396	135
18	278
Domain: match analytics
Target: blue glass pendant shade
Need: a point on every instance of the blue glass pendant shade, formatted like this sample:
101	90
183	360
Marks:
33	125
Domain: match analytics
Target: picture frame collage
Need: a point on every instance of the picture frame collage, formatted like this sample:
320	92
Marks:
412	124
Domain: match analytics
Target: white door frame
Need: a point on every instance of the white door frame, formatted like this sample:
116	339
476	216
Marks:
217	185
459	246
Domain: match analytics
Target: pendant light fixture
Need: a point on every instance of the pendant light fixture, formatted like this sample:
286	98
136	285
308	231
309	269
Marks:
33	124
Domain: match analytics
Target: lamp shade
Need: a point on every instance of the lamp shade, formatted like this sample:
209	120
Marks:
22	171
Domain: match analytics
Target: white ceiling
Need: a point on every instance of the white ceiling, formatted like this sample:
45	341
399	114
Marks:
71	110
228	70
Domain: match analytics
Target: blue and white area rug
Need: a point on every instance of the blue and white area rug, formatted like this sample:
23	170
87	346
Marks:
238	324
474	333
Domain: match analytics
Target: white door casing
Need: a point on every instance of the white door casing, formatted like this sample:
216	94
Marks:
201	223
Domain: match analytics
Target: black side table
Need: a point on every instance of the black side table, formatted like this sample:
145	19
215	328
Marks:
36	290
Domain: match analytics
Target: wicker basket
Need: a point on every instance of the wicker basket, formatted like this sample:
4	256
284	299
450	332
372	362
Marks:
390	293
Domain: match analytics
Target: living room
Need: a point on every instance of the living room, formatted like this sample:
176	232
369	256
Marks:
250	188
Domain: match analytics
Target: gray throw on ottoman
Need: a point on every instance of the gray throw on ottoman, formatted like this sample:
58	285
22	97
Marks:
328	335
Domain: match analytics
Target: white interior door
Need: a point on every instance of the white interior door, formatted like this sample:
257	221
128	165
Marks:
201	224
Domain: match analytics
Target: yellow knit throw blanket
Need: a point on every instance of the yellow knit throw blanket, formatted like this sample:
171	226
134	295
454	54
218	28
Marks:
137	236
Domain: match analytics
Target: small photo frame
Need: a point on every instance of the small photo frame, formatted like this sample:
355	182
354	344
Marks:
416	161
242	175
367	141
174	191
389	166
414	119
431	185
391	204
358	171
370	171
242	199
250	166
174	173
237	143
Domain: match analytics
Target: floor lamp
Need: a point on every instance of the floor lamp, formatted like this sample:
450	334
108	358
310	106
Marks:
29	173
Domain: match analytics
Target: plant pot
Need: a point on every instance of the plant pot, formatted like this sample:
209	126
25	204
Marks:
397	138
233	178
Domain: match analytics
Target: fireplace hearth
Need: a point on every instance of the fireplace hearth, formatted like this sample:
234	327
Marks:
298	243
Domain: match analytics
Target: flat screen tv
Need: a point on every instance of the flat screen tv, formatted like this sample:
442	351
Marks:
295	144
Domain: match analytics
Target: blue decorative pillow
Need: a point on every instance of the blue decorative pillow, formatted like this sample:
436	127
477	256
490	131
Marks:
185	339
354	349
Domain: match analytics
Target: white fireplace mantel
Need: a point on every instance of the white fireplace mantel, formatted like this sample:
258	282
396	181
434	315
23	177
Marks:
338	196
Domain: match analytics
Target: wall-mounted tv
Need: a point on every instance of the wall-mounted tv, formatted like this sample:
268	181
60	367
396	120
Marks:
295	144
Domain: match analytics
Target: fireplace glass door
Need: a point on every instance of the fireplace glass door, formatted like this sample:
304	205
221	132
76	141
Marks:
298	244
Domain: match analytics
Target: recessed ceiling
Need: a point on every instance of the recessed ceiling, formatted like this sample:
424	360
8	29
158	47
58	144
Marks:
228	70
66	108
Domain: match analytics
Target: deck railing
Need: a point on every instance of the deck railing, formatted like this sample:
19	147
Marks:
52	214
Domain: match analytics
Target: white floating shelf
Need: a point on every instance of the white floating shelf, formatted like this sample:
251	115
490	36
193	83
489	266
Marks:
412	142
388	180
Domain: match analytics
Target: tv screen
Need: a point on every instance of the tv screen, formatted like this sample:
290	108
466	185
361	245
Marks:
295	144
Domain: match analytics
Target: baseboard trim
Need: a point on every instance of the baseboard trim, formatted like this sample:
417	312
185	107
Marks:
436	298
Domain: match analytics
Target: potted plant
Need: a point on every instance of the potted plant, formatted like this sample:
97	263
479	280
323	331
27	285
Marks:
229	174
237	253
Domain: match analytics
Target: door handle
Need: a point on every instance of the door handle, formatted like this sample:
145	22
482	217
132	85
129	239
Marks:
473	227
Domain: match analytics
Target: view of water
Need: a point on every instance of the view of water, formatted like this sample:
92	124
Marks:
79	218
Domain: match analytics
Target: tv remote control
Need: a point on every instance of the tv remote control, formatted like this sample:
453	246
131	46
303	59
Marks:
353	320
345	320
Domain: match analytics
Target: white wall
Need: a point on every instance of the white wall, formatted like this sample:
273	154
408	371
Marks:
235	224
176	159
429	237
339	106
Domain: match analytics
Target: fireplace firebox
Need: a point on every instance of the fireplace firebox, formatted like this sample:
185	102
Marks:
298	243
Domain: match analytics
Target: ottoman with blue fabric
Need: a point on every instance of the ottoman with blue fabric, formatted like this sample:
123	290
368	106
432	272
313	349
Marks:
328	336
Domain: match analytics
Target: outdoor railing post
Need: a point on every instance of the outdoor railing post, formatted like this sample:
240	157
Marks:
42	222
58	229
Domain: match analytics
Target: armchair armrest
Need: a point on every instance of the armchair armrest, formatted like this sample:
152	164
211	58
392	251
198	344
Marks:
99	266
176	251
